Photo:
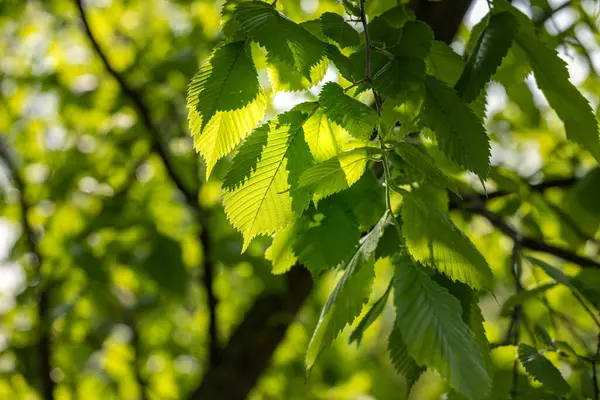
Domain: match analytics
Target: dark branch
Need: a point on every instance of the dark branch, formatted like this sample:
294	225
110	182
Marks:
254	341
534	187
524	241
44	345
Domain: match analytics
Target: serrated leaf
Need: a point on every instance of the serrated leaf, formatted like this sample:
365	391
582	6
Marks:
324	138
335	174
225	102
444	63
256	189
406	71
431	325
552	78
542	370
423	164
356	118
386	28
370	317
337	29
342	63
264	24
327	238
401	360
521	297
280	253
486	57
433	239
286	79
366	200
347	299
460	134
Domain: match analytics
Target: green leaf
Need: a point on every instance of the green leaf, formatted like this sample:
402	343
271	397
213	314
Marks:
370	317
347	299
444	63
225	102
460	134
366	200
406	72
422	164
335	174
286	79
491	48
542	370
337	29
385	28
326	238
325	139
521	297
430	320
280	253
433	239
552	78
265	25
256	189
401	360
352	115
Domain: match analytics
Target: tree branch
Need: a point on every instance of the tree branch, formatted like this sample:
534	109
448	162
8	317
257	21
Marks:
44	345
249	350
524	241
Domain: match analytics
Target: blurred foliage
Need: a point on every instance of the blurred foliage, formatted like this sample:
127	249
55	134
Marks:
119	248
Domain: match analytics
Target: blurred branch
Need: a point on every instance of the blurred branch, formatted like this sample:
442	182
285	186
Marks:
249	350
135	344
190	194
535	187
524	241
44	342
595	371
512	335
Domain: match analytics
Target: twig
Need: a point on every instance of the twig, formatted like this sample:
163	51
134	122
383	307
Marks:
517	314
44	345
190	195
135	344
595	371
524	241
363	20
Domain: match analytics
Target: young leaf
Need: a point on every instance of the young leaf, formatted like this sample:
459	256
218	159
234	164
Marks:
423	165
324	138
460	134
370	316
352	115
542	370
286	79
402	361
335	174
337	29
283	39
256	189
433	239
492	46
280	253
347	299
366	200
225	102
327	238
431	325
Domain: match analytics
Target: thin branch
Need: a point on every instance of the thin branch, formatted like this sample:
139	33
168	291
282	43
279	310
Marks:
135	344
595	371
44	345
524	241
533	187
517	314
190	194
363	20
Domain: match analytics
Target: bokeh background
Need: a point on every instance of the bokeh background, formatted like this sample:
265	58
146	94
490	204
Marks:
101	254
